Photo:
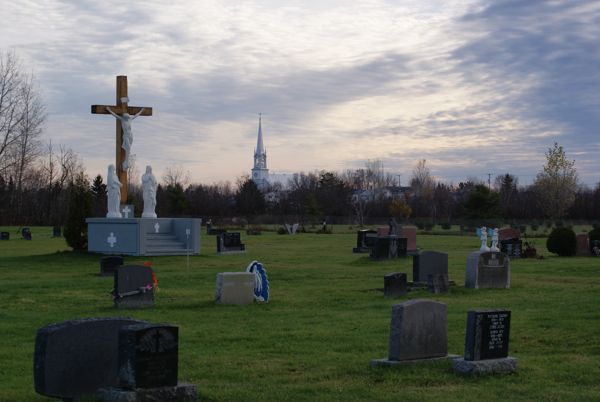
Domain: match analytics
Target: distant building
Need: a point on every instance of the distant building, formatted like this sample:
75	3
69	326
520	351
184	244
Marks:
260	173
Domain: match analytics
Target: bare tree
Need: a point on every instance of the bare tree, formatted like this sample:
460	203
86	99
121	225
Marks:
176	176
10	106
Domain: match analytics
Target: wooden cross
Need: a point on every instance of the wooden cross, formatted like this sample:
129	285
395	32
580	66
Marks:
120	108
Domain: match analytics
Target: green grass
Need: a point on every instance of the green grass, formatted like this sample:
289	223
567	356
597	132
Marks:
326	320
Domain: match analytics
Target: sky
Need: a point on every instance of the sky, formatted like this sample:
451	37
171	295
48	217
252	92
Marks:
474	87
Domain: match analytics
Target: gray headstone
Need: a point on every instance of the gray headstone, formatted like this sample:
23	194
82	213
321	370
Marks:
230	242
429	262
388	247
487	269
418	330
75	358
133	287
148	356
394	285
438	283
235	288
365	239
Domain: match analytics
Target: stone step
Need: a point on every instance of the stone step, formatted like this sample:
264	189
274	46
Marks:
160	236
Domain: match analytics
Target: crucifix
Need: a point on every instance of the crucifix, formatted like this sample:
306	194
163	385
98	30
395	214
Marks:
124	115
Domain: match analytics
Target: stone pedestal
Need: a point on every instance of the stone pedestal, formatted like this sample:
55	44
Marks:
144	236
504	365
179	393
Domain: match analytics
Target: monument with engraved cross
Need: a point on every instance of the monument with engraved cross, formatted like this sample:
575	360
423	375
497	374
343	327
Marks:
128	235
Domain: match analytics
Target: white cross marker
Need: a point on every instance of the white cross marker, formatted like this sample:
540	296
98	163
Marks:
111	239
126	211
156	227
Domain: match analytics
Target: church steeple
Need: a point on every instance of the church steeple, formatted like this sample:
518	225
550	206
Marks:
260	173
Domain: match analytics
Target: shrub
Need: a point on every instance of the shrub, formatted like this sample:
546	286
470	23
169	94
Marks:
562	241
534	226
594	234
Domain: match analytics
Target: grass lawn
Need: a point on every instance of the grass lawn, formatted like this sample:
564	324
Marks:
326	320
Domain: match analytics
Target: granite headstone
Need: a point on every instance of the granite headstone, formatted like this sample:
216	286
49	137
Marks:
487	269
429	262
235	288
394	285
4	235
75	358
109	264
512	247
133	287
438	283
388	247
230	242
365	239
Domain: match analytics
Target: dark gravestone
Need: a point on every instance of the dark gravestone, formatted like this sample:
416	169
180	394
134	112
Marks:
133	287
230	243
486	344
26	233
109	264
388	247
418	331
394	285
487	269
56	232
438	283
595	247
75	358
365	239
148	356
394	227
512	247
4	235
429	262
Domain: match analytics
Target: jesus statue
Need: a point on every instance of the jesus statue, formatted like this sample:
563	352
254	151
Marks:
126	119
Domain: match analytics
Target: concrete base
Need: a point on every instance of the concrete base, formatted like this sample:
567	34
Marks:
395	363
231	252
505	365
180	393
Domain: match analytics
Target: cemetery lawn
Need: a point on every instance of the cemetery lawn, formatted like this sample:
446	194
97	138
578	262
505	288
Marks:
326	320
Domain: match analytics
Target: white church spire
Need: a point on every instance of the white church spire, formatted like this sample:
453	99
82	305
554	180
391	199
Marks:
260	173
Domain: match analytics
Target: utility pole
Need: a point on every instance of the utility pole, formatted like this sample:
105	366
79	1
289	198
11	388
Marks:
489	181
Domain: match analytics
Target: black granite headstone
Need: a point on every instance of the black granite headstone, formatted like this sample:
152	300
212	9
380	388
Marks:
595	247
429	262
75	358
56	232
487	334
365	239
133	287
388	247
229	242
109	264
438	283
394	285
4	235
512	247
26	233
148	356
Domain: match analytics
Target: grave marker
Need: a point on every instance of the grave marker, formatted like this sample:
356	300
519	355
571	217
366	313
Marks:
133	287
394	285
235	288
365	239
229	243
429	262
109	264
438	283
487	269
486	344
4	236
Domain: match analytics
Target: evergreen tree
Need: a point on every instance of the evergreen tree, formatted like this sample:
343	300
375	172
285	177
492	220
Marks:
80	208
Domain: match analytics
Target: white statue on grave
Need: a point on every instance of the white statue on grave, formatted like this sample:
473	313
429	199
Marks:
126	119
149	186
113	188
494	246
483	233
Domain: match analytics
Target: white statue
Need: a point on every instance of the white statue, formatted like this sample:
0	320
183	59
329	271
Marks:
483	233
494	246
149	186
126	119
113	188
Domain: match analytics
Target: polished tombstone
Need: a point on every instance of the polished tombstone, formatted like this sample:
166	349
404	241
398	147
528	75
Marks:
144	236
394	285
429	262
235	288
583	244
133	287
512	247
595	247
26	233
486	344
230	243
509	233
365	239
388	247
4	236
410	233
75	358
56	231
109	264
487	269
418	332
